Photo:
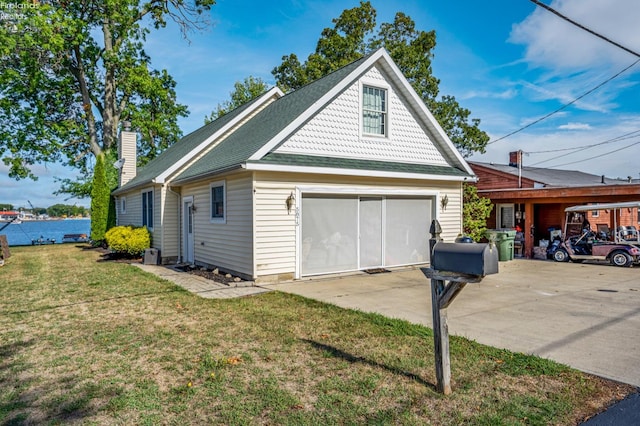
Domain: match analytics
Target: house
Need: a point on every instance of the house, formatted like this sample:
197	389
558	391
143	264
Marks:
533	199
344	174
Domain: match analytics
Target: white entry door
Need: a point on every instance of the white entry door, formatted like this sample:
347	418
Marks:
188	232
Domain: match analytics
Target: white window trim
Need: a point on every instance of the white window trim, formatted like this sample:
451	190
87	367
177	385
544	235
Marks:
123	205
153	207
222	219
377	84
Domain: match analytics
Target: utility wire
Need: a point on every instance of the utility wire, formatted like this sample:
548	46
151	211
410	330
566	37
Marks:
597	156
616	139
565	105
626	49
555	12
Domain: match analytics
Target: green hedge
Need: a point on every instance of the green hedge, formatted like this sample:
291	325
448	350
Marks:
129	240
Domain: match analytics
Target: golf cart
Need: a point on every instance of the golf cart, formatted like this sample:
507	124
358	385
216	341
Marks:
620	246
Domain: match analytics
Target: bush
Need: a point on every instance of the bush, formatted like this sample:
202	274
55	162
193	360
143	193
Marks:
130	240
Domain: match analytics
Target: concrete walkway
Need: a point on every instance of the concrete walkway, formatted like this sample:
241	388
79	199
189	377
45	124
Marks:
201	286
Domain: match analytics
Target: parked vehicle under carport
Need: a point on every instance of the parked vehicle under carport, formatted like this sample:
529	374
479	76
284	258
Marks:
579	242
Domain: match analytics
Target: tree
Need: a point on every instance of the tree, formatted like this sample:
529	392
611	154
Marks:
243	92
71	71
353	36
475	212
99	201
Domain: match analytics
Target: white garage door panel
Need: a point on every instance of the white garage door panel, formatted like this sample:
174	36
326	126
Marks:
329	234
407	231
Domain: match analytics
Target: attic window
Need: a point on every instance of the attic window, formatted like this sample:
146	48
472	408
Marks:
374	111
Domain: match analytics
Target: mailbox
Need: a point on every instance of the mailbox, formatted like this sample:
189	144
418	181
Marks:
471	259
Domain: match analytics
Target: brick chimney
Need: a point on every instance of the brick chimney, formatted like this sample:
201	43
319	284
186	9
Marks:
515	158
127	153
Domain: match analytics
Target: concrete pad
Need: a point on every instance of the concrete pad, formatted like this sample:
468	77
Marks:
583	315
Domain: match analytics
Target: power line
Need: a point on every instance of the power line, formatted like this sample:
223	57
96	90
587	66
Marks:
616	139
597	156
565	105
555	12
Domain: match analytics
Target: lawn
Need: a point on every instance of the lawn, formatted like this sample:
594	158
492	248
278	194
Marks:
90	342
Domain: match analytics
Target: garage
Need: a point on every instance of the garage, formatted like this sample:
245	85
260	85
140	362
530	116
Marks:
341	233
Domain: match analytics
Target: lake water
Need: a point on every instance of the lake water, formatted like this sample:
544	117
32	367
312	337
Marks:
23	233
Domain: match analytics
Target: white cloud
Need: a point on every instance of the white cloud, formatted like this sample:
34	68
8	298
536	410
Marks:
552	42
614	155
575	126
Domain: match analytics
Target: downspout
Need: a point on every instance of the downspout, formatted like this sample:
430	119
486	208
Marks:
179	222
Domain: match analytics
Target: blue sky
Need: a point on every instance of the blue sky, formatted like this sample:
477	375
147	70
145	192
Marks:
508	61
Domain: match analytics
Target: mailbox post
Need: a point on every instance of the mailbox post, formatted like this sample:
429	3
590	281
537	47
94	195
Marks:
453	266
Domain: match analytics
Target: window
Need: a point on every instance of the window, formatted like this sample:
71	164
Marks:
595	213
123	205
147	209
374	111
218	202
506	216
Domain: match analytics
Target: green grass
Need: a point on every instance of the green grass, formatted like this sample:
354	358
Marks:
90	342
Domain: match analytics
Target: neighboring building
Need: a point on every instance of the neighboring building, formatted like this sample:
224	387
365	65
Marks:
533	199
343	174
6	215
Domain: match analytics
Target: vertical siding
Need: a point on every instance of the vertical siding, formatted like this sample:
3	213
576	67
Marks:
225	245
275	229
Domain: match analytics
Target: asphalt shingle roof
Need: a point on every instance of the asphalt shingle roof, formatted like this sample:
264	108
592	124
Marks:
258	131
551	177
356	164
178	150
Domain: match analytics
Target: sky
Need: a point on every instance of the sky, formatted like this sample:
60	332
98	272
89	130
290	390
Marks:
509	62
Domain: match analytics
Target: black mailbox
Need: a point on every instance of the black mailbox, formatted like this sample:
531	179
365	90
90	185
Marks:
472	259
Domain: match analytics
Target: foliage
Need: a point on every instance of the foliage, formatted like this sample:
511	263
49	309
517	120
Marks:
475	211
129	240
412	50
6	206
71	71
100	195
60	210
243	92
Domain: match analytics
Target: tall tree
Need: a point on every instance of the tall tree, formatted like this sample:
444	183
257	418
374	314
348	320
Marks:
71	71
243	92
353	36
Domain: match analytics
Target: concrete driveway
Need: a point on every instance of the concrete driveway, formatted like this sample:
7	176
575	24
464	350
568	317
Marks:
583	315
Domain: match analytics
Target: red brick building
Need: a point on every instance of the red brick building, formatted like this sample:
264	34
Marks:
533	199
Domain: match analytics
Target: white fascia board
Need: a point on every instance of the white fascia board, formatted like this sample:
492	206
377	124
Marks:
161	179
266	148
419	103
354	172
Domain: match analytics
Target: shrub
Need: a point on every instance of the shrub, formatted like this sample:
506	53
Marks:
130	240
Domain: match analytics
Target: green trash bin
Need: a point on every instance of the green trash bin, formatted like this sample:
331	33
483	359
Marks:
505	239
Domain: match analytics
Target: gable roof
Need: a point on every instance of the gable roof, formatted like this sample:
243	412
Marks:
551	177
251	145
195	142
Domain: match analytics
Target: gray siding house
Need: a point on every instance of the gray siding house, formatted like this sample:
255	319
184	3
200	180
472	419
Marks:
343	174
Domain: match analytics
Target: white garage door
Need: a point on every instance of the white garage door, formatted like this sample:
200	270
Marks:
346	233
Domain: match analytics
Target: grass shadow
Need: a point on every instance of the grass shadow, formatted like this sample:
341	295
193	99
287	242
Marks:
339	353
